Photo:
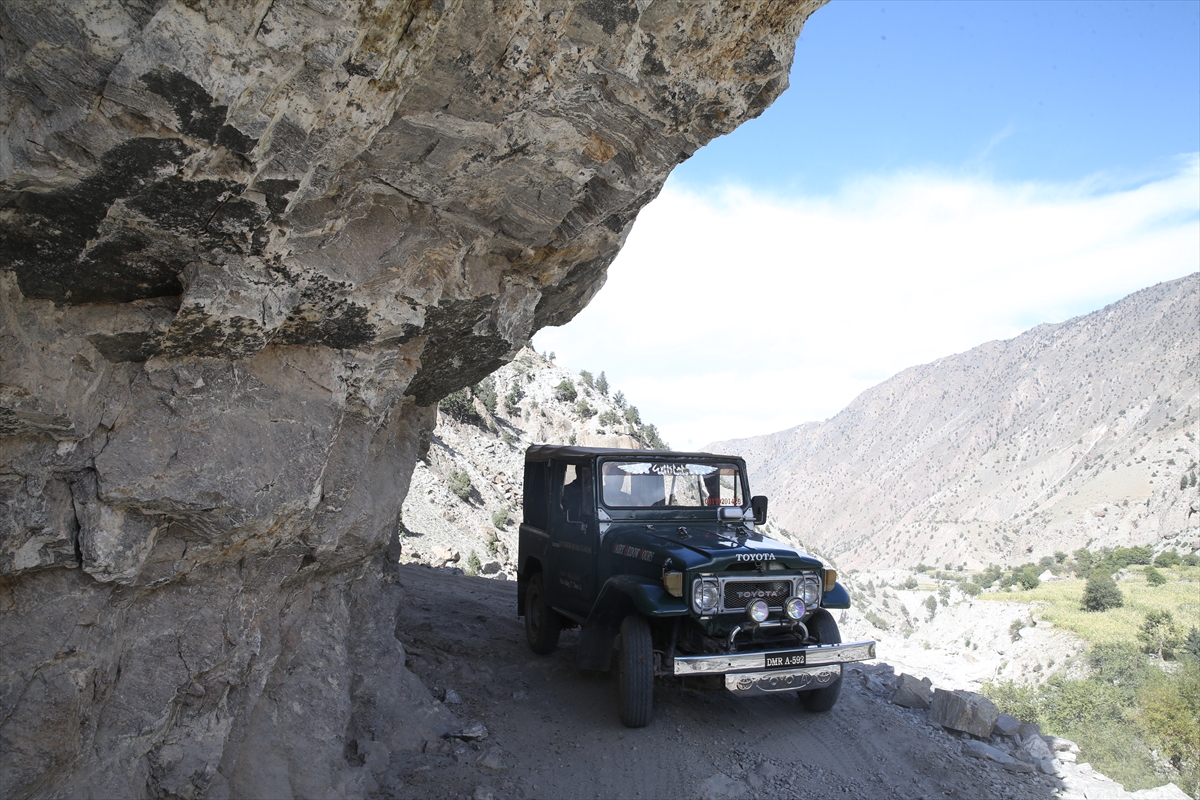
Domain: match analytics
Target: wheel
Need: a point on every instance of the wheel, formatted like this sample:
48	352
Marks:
635	671
822	626
542	623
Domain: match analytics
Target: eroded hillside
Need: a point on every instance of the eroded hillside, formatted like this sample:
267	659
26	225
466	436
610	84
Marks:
1071	435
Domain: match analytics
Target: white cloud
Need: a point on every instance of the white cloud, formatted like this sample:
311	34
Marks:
734	313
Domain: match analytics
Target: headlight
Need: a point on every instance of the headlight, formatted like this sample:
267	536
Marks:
705	595
758	611
794	608
810	590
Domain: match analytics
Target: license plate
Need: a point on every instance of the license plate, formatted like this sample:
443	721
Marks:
785	660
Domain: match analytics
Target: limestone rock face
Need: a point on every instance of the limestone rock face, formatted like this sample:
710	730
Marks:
244	249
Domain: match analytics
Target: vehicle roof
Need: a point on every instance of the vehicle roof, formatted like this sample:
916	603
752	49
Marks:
545	452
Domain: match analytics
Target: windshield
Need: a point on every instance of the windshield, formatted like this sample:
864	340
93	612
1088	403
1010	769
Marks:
656	484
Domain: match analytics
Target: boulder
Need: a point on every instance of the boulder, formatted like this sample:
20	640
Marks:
964	711
1167	791
1029	729
1007	725
912	692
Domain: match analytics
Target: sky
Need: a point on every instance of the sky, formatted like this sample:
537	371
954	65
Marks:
938	175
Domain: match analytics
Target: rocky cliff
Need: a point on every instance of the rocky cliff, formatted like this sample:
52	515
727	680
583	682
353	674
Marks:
1071	435
244	250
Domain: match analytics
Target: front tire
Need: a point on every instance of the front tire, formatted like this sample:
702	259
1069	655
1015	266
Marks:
822	626
542	623
635	672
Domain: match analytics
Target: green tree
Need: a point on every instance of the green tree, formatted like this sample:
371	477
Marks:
1101	593
473	564
513	398
911	583
602	384
970	587
632	416
1168	710
608	419
1154	577
485	390
1158	634
619	399
1083	561
1191	645
1027	577
944	595
649	436
1167	559
458	404
500	518
460	484
931	605
565	391
584	410
585	378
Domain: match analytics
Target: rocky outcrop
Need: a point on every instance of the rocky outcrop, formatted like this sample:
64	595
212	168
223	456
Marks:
243	251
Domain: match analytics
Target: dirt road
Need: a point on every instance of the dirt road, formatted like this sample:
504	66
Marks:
553	732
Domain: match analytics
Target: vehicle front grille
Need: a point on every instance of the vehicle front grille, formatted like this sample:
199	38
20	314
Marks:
737	594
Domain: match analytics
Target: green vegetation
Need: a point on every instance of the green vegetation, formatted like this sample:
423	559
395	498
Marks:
1154	577
493	545
602	384
931	605
584	410
500	518
585	378
459	405
619	400
608	419
1101	594
565	391
911	583
513	399
460	483
485	390
473	564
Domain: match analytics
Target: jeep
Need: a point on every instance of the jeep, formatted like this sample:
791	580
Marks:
655	556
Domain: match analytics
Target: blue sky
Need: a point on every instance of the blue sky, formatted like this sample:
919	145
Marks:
937	175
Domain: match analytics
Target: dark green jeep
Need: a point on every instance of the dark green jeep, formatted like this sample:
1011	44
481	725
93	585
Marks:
657	552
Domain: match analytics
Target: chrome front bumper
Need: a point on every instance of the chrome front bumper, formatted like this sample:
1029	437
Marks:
782	662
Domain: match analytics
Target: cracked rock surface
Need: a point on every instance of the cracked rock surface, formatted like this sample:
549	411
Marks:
244	249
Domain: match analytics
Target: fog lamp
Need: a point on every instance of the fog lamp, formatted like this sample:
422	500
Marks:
757	610
794	608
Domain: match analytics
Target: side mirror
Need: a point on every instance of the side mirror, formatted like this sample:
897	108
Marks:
728	513
759	504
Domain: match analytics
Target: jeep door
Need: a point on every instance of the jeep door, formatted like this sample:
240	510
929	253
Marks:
573	537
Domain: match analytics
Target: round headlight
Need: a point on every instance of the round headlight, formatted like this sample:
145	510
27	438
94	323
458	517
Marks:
704	596
794	608
758	611
812	590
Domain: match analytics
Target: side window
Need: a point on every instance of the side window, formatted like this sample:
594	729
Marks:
535	495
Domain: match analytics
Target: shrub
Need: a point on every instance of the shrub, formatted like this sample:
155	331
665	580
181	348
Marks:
876	620
513	399
584	410
1027	577
585	378
931	605
460	483
473	564
458	405
911	583
493	545
565	391
1154	577
485	390
1101	593
608	419
970	587
1191	560
1167	559
500	518
1168	709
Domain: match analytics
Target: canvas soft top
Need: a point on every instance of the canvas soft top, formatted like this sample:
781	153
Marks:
546	452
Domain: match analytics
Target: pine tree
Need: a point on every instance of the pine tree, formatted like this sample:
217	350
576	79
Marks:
1101	594
602	384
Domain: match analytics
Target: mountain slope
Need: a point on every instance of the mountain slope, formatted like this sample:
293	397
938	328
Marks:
1069	435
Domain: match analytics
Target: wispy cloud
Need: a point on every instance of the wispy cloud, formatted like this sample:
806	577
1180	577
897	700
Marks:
734	313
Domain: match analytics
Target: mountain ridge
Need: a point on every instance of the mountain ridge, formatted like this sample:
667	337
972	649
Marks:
996	454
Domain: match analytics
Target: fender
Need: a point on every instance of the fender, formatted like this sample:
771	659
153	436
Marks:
621	596
837	597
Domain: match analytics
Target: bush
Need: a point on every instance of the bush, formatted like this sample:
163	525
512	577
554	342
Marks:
493	545
608	419
970	587
632	416
460	484
1191	645
459	405
513	398
1027	577
989	575
584	410
585	378
1167	559
911	583
931	605
500	518
876	620
1101	594
565	391
473	564
1154	577
1168	710
485	390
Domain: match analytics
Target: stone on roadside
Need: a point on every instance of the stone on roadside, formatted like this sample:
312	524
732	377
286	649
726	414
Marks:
976	749
470	733
1037	748
451	698
492	758
1007	725
1166	792
490	568
1061	745
964	711
1029	729
912	693
721	787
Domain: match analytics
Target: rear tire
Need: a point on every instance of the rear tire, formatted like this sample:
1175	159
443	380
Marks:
542	623
635	672
822	626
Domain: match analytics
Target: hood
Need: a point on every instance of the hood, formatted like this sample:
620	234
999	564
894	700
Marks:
708	546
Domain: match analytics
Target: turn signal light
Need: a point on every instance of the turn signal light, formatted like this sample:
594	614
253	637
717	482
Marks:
830	579
673	583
